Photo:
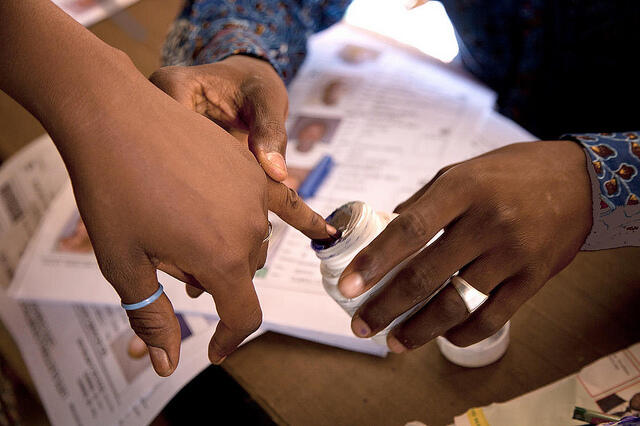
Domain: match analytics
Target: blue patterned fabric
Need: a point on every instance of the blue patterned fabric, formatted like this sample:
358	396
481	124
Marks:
615	160
558	66
276	30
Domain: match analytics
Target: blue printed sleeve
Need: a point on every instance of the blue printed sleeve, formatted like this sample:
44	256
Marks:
614	170
275	30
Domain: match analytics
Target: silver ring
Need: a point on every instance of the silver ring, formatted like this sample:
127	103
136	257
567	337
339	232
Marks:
471	297
268	237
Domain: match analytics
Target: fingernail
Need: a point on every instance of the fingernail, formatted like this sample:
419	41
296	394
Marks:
160	361
333	232
395	345
277	160
215	355
359	327
351	285
216	359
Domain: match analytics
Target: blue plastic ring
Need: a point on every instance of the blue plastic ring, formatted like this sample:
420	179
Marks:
149	300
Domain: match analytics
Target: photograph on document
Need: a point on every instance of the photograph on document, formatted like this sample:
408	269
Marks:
333	91
310	139
130	352
355	55
73	237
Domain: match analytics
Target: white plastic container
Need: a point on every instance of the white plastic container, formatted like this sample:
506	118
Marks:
359	225
483	353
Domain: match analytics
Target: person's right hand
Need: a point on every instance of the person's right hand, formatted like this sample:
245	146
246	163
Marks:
240	94
161	187
512	219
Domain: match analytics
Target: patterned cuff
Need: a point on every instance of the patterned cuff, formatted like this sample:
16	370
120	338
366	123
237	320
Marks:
185	43
613	165
237	37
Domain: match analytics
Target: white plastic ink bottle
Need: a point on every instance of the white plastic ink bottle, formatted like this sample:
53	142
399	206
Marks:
359	224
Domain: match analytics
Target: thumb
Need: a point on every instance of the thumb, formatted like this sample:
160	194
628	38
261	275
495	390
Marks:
265	115
156	323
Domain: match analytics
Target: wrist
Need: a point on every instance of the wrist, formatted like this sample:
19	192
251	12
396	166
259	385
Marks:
80	106
252	65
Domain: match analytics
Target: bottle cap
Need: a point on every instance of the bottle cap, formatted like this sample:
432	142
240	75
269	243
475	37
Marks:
483	353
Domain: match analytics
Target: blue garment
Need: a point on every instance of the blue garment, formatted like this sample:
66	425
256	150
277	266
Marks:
558	66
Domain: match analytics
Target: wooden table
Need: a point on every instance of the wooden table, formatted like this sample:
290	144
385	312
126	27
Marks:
587	311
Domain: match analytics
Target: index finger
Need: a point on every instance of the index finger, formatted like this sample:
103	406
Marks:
443	202
286	203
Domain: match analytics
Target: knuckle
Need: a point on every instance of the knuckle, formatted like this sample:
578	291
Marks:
316	220
291	199
163	77
115	270
150	325
250	322
415	283
454	176
412	225
229	260
232	262
273	129
506	216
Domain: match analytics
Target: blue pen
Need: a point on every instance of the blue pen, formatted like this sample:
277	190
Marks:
315	178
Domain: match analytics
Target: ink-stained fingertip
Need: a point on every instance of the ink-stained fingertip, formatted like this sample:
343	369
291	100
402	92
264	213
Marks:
333	232
359	327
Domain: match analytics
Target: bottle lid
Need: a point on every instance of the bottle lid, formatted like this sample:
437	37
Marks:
483	353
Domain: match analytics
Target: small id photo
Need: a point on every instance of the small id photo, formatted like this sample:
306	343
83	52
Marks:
307	132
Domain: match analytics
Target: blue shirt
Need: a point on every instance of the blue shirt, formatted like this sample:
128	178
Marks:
558	66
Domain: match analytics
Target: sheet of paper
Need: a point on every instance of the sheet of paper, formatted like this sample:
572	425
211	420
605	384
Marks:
78	355
606	386
88	12
389	119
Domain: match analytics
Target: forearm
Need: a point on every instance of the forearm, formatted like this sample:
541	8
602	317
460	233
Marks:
55	68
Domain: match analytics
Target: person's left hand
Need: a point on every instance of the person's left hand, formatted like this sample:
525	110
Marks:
512	219
241	94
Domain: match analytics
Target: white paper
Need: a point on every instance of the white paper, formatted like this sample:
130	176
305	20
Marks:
605	386
77	355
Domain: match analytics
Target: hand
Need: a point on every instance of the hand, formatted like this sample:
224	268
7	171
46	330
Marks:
512	219
160	187
239	93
